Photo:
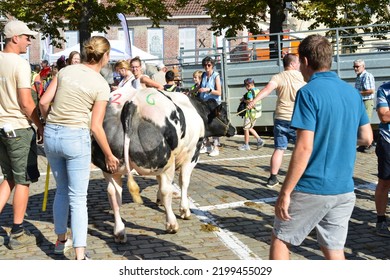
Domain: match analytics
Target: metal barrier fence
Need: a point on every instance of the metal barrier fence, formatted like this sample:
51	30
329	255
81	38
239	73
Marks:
260	57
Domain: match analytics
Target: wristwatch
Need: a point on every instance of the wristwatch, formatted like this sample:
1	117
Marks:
210	90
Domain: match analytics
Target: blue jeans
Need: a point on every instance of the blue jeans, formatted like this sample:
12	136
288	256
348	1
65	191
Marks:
68	151
283	134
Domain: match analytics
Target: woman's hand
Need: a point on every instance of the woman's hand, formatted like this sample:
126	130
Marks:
112	164
204	90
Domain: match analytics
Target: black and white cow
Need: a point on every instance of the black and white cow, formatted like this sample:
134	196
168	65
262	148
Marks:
156	133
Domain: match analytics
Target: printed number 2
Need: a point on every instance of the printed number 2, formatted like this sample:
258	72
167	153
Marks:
115	97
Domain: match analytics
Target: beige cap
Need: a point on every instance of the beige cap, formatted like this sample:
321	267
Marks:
16	28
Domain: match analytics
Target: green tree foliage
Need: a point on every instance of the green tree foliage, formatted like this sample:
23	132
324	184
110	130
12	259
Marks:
230	15
340	13
85	16
235	15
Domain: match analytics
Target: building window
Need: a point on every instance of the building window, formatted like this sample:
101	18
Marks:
121	35
187	41
72	38
156	42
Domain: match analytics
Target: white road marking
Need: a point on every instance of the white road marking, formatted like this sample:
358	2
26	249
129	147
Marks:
227	237
236	204
368	186
237	158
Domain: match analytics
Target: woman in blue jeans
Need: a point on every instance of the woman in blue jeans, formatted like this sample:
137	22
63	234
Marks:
80	89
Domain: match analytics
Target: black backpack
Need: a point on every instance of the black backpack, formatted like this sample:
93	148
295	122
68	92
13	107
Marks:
241	108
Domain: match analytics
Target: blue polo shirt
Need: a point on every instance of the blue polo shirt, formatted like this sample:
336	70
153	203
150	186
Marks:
334	110
383	100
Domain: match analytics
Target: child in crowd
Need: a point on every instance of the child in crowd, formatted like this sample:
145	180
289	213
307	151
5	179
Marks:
170	82
251	115
197	76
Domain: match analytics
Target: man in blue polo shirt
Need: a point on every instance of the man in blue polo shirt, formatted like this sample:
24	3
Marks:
383	153
318	191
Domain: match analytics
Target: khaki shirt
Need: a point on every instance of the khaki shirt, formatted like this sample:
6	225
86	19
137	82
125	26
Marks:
15	73
78	88
288	83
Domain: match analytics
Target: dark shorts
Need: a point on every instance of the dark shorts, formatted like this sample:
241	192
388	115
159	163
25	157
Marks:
18	156
382	151
283	134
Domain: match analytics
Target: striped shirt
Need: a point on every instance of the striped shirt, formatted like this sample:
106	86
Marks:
365	81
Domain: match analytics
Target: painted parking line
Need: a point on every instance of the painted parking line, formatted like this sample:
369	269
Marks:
236	204
228	238
225	236
236	158
368	186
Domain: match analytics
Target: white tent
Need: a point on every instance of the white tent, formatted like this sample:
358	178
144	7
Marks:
117	53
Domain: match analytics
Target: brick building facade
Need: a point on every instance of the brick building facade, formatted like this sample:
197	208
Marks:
187	28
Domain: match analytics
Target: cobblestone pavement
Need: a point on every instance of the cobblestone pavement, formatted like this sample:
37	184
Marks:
232	214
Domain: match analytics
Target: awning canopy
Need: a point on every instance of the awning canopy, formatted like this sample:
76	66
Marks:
117	53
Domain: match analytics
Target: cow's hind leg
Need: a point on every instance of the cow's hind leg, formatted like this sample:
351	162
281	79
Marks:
114	191
166	190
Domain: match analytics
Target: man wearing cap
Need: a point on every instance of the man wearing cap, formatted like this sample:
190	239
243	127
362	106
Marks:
18	150
159	76
286	85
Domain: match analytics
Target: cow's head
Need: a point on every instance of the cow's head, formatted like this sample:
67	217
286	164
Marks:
218	123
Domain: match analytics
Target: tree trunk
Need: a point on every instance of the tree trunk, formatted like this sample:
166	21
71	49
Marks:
277	8
84	32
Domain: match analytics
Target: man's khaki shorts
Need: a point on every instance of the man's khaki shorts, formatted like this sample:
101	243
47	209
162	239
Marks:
18	156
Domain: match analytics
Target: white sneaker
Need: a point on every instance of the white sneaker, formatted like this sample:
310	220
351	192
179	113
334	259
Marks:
214	153
244	147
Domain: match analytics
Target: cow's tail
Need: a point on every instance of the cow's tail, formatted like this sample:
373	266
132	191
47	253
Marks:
131	183
134	189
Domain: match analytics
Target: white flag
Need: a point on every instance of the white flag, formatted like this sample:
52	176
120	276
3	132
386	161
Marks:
122	18
47	48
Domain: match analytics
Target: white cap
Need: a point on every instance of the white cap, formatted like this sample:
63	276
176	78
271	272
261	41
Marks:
160	66
16	28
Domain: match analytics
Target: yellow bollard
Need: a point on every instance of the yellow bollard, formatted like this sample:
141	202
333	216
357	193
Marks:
46	193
